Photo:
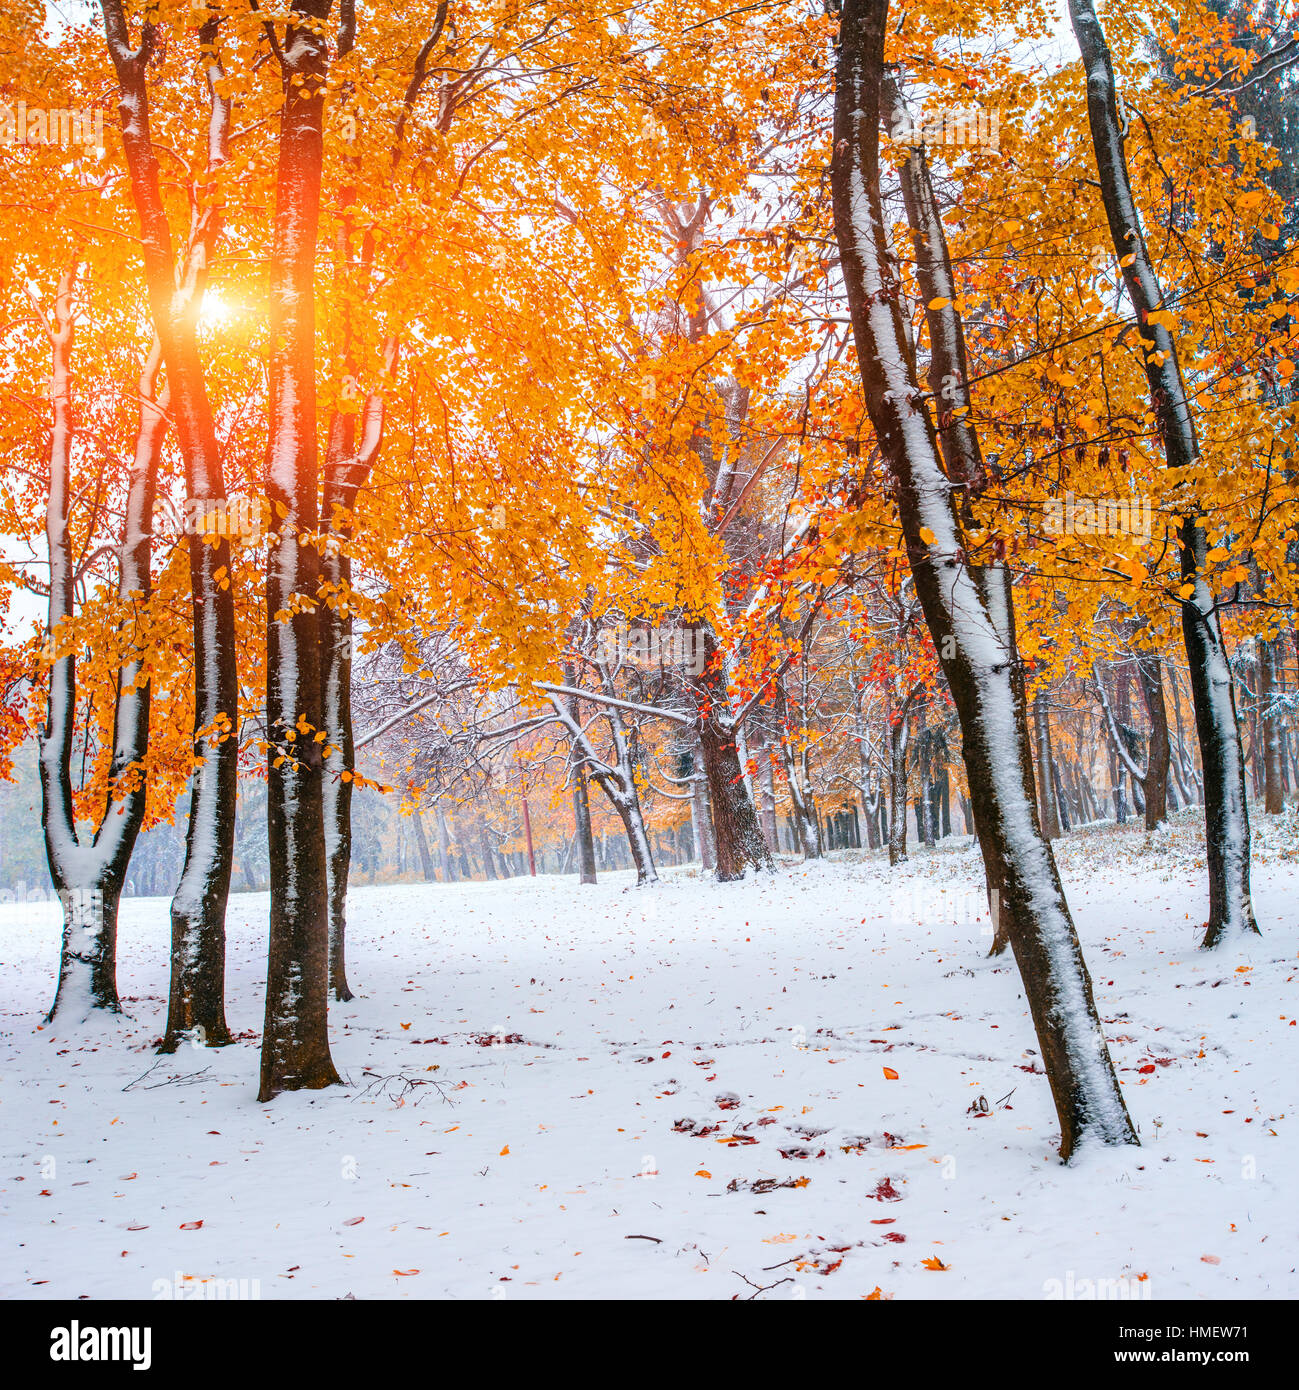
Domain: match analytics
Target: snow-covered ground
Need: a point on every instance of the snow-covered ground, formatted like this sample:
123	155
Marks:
698	1091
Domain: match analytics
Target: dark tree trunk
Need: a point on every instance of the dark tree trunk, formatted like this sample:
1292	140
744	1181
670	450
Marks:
1059	798
1226	811
582	818
421	844
485	849
737	837
898	732
1270	727
1155	783
444	844
1046	800
961	610
295	1039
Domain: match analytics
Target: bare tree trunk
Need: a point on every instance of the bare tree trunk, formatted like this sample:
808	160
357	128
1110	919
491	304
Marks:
1270	727
444	844
737	837
804	810
967	628
1046	789
582	818
295	1039
898	732
485	849
768	782
617	780
421	844
701	813
1155	783
1226	810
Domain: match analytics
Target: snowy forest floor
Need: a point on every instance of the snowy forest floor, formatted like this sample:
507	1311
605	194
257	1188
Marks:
695	1091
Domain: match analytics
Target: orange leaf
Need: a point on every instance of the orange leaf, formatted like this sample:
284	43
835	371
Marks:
933	1262
890	1074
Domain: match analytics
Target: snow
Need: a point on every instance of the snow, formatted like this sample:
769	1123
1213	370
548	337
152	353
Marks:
768	1008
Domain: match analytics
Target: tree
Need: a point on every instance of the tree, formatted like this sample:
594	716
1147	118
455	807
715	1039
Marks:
197	994
965	612
295	1039
1225	807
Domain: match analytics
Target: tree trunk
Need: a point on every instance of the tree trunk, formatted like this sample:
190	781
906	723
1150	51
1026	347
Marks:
1155	784
90	879
295	1039
421	844
967	627
1270	727
582	818
737	837
768	782
347	468
485	849
701	814
444	844
1046	800
196	1002
898	732
1226	811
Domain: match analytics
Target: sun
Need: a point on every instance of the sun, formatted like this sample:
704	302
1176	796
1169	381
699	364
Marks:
217	311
